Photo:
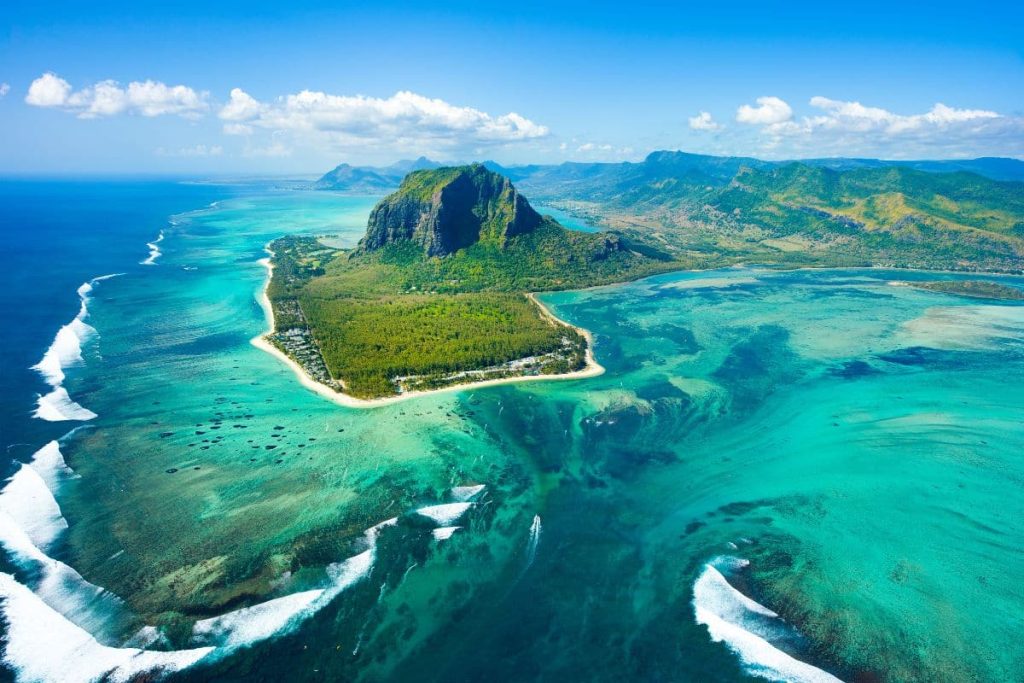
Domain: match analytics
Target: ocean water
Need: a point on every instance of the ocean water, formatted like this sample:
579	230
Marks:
801	476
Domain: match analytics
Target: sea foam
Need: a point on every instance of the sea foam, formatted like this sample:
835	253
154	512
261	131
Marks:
445	532
30	521
276	617
253	624
464	493
749	629
154	250
57	406
446	514
30	504
42	645
65	351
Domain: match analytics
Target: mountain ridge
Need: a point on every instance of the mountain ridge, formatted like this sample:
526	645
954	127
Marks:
450	208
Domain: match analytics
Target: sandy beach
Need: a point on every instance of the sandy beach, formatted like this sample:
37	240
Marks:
592	369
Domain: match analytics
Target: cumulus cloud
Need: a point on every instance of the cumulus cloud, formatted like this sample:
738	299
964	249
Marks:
241	107
404	120
109	98
4	89
49	90
704	121
856	117
850	128
769	111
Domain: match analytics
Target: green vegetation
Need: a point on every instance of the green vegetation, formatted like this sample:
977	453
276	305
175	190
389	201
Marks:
982	289
371	342
722	210
435	293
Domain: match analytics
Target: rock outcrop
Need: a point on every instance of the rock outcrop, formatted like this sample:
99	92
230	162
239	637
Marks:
447	209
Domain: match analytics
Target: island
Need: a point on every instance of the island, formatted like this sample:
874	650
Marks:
440	291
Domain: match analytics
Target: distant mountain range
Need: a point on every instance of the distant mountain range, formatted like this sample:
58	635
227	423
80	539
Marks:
708	210
669	164
372	179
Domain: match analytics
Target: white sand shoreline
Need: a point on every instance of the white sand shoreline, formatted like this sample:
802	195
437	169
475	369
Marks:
592	369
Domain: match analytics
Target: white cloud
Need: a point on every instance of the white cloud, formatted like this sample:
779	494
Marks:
594	147
4	89
855	116
49	90
241	107
108	98
598	151
403	121
851	128
703	121
194	151
770	110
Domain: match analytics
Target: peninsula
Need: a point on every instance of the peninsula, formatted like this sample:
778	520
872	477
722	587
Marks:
438	293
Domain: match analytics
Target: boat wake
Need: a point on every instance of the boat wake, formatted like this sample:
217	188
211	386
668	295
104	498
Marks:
66	352
751	630
533	542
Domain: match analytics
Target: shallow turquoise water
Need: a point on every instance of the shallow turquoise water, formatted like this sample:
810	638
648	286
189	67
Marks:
858	443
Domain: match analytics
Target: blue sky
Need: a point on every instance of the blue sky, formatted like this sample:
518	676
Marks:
219	87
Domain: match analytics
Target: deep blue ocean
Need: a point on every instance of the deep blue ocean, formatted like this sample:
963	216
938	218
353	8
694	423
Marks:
54	236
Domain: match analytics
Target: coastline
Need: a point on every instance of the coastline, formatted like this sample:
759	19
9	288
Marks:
592	369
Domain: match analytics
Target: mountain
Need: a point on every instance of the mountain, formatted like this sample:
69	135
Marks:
673	167
354	179
436	291
448	209
369	179
996	168
406	166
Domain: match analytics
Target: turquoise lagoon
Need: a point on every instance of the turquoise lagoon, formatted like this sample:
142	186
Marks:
797	476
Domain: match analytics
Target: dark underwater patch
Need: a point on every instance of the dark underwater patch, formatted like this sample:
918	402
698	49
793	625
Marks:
854	369
913	356
756	365
652	391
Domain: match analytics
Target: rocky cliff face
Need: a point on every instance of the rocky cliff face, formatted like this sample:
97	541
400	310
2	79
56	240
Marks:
447	209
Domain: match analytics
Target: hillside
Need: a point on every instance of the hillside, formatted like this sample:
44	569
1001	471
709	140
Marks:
434	294
717	210
707	210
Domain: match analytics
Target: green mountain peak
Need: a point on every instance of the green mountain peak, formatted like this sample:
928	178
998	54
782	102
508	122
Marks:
451	208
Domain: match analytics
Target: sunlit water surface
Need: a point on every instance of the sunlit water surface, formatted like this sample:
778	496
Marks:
795	475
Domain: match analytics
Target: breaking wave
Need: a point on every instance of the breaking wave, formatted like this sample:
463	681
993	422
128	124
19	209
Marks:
154	250
250	625
65	352
444	533
56	620
57	406
445	514
464	493
42	645
748	628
